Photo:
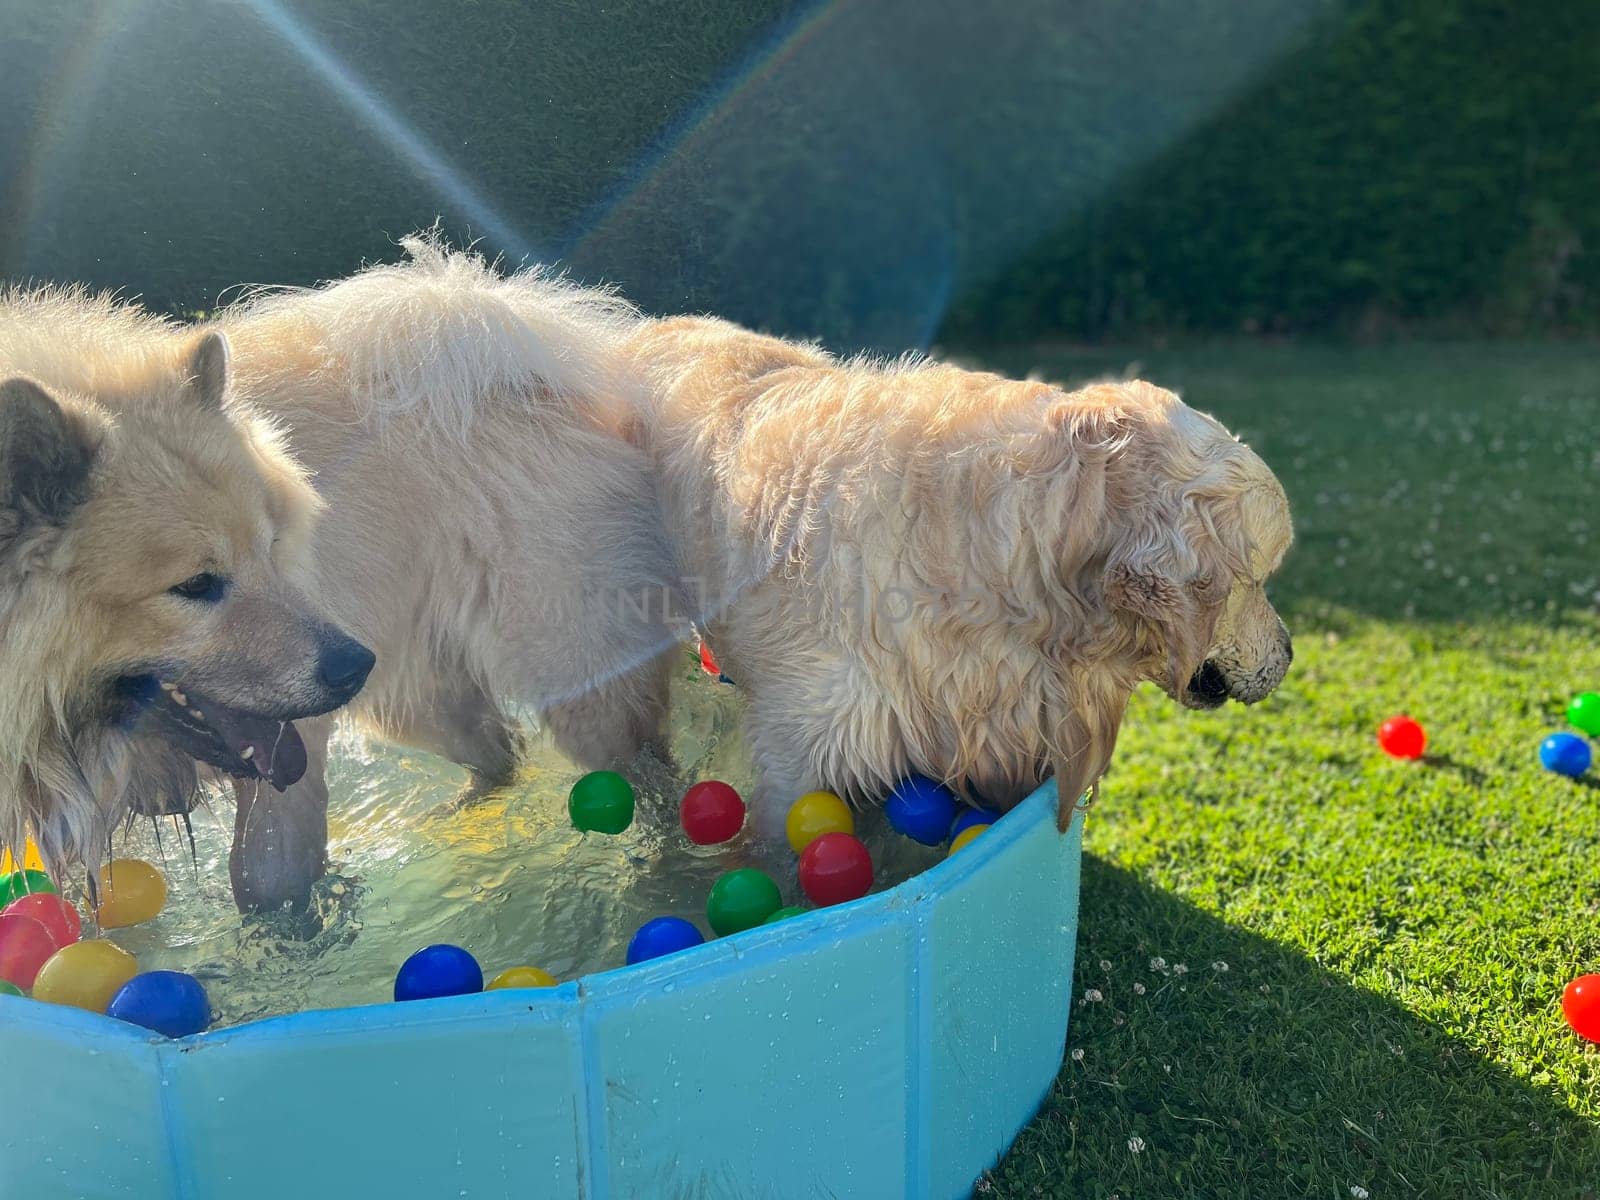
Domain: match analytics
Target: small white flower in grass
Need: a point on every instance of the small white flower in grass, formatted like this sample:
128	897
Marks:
1266	990
1077	1054
1138	989
1357	1192
1219	966
1158	963
1136	1144
1179	969
1105	964
1093	996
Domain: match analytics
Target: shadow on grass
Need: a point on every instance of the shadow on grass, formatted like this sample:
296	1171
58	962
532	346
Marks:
1269	1077
1471	774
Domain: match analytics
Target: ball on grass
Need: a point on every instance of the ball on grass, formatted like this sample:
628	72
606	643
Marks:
1402	737
1580	1004
1565	754
1584	713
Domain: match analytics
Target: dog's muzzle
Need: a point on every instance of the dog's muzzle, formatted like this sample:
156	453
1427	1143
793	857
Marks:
1208	687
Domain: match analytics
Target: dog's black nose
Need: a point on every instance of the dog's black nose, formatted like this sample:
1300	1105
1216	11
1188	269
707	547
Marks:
344	666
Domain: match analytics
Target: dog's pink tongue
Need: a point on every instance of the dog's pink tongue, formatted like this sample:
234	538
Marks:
281	757
273	748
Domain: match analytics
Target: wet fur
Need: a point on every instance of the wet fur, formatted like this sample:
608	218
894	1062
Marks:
913	567
434	448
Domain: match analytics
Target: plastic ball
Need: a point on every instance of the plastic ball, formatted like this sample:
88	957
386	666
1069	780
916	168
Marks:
441	970
921	809
664	935
783	914
708	662
25	946
1584	713
521	977
1401	737
31	858
742	899
601	802
711	812
965	838
1580	1004
835	868
968	817
85	975
1565	754
7	988
131	891
51	911
23	883
168	1002
815	814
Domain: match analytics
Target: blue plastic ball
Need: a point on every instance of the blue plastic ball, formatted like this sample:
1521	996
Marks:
169	1002
441	970
921	809
968	817
663	935
1565	754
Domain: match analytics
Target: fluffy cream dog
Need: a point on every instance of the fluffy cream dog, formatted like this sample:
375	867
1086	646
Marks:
419	462
914	567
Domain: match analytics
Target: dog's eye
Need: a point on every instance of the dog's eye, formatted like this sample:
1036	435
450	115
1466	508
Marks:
204	587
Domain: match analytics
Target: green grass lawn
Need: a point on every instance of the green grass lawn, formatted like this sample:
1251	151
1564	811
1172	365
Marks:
1304	969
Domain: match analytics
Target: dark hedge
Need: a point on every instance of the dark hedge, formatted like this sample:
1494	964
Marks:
848	169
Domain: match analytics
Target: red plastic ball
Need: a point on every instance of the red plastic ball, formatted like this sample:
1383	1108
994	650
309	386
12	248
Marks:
25	945
711	812
834	868
1580	1002
1401	737
58	916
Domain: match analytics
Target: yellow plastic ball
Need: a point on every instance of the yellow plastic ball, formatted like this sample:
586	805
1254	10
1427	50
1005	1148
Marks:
521	977
85	975
131	891
815	814
965	836
31	861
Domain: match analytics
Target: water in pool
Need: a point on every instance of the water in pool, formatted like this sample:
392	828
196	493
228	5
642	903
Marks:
507	876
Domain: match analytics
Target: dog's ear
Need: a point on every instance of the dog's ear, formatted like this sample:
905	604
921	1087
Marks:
206	375
1160	576
45	456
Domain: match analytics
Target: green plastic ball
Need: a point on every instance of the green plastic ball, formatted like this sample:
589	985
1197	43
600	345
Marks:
22	883
8	988
601	801
783	914
1584	712
742	899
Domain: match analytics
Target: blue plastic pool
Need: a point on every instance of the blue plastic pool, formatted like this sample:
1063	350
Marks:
892	1047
